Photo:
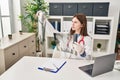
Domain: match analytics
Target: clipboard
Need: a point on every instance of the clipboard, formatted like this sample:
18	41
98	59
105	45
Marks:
53	65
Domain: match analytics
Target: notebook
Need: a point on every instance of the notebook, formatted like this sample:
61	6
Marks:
52	65
101	65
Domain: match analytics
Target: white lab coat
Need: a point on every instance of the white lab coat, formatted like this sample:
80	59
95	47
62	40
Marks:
87	48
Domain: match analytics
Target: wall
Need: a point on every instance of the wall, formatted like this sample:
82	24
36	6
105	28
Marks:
16	13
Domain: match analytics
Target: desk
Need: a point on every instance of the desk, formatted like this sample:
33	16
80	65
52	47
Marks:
12	50
27	69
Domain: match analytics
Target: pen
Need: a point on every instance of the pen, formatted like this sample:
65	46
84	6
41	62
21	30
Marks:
55	66
47	69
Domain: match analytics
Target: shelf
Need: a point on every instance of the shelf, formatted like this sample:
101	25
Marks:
104	18
98	36
50	51
56	23
104	45
104	38
49	39
99	53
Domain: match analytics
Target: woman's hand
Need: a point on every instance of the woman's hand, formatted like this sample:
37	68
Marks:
78	48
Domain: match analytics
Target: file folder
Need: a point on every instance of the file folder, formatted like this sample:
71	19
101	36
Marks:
53	65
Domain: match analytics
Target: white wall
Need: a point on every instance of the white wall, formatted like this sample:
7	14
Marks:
16	13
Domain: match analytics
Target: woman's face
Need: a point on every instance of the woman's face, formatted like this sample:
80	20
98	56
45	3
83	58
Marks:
76	25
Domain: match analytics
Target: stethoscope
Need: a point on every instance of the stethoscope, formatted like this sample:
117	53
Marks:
81	40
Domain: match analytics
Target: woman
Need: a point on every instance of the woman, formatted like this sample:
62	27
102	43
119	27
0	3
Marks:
79	43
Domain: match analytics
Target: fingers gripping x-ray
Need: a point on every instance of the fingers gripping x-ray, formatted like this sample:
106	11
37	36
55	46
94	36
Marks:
61	39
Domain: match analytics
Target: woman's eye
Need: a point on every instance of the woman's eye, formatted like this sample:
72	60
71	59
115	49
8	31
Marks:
75	22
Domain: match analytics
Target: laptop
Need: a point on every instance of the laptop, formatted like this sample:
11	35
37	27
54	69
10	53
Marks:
101	65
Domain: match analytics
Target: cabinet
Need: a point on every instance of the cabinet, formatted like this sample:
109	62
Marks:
11	55
100	9
14	49
69	9
55	9
32	45
85	8
23	48
103	36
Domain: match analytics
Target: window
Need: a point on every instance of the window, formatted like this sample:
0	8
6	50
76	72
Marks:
5	17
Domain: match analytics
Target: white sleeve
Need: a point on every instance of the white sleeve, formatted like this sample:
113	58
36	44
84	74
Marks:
88	45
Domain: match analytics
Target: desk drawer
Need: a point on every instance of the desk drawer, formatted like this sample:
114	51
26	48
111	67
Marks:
32	51
31	41
23	48
11	54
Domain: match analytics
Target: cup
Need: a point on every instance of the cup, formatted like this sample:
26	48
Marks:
10	36
20	32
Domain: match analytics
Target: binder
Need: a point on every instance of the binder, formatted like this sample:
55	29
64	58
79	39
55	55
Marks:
53	65
102	29
56	25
